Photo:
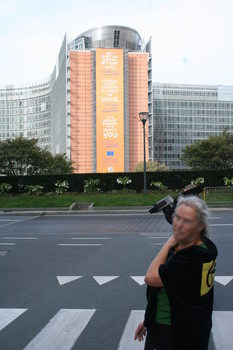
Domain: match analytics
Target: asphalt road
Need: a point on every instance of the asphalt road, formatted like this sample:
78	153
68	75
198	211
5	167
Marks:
76	282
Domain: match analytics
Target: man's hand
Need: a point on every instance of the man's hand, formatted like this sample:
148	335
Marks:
140	332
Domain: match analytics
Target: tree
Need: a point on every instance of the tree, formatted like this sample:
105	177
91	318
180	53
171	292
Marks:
21	156
60	165
151	166
216	152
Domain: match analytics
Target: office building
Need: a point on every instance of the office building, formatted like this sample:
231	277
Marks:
89	107
184	114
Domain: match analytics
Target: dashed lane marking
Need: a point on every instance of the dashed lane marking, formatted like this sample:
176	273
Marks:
26	238
7	243
156	237
79	245
220	225
90	238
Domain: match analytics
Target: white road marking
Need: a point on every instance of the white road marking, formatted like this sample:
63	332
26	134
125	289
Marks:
139	279
79	245
66	279
151	234
9	315
19	221
222	330
3	252
8	220
224	280
62	331
93	238
7	243
127	341
104	279
109	214
220	225
19	238
153	237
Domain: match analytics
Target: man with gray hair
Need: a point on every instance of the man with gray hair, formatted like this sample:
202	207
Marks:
180	284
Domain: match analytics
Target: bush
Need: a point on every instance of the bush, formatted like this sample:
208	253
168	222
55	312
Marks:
61	186
228	182
198	181
158	185
5	188
34	189
124	181
91	185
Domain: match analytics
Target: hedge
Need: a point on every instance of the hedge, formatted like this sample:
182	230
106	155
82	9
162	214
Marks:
172	179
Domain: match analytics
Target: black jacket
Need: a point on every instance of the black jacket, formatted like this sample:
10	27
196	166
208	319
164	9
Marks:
188	278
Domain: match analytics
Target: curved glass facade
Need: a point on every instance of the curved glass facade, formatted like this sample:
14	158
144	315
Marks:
26	111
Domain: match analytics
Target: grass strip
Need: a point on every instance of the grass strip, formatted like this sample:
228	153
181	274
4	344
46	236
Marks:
65	200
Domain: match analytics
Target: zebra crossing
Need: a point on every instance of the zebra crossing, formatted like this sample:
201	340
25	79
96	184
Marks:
63	330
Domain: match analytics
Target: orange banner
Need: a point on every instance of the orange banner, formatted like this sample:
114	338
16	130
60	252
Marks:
109	110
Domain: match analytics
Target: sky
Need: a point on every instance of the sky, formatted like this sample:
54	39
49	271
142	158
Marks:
191	39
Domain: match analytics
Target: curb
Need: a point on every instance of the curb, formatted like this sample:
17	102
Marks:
90	210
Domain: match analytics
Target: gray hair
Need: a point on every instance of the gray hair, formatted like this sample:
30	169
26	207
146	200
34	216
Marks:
201	209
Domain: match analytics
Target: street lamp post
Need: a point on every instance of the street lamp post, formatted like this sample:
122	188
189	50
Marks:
143	117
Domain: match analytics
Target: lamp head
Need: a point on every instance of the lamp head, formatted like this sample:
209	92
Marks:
143	116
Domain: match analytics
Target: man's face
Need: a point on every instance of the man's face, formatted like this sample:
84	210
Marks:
186	227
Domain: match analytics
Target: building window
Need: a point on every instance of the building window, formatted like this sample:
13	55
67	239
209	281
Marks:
116	38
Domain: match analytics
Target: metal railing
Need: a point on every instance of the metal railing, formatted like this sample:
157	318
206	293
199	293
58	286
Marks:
218	195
